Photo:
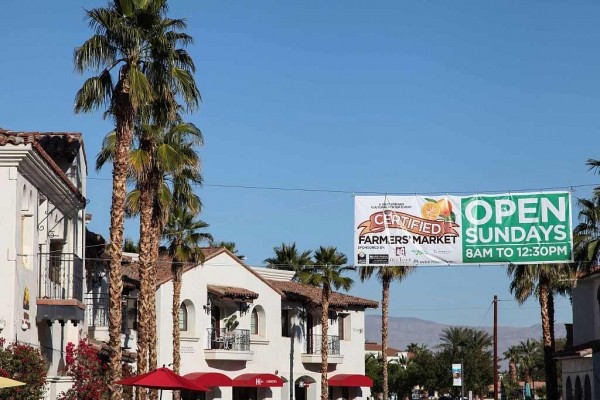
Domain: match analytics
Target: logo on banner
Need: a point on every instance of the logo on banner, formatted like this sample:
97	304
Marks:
362	258
259	381
437	219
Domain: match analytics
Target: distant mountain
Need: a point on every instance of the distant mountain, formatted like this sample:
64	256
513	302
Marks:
406	330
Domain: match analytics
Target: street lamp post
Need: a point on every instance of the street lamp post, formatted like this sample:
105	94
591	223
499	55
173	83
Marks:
461	350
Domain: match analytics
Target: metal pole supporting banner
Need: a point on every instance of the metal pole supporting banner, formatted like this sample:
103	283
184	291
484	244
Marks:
462	380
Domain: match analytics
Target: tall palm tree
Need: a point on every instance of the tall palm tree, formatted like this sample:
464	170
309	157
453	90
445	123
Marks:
542	281
184	239
134	50
386	275
175	158
287	256
326	273
513	355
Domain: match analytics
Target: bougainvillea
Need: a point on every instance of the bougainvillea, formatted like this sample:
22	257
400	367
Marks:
88	372
26	364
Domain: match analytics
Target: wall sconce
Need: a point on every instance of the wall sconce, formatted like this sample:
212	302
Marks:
2	325
208	306
24	325
243	306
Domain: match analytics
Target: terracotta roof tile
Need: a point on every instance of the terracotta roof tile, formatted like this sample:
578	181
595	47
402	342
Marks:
38	141
230	291
391	352
164	266
313	294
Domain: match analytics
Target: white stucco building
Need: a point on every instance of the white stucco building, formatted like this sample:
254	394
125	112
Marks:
42	209
581	358
393	355
254	334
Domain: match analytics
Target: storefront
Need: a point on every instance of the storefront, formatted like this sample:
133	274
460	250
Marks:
348	386
255	386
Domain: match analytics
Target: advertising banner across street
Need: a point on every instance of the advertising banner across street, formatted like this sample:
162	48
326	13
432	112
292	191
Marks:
523	228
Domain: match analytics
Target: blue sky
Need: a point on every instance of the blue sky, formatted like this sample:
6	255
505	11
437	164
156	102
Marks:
396	97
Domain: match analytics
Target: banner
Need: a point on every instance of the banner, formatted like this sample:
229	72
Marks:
456	375
524	228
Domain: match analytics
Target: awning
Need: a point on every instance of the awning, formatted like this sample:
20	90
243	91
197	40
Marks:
350	380
257	380
209	379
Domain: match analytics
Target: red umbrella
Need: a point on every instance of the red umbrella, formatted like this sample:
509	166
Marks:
161	378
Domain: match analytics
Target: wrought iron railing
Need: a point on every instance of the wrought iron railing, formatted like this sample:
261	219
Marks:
222	339
312	345
97	311
61	276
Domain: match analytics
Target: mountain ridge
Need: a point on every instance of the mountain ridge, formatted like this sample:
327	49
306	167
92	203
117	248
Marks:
406	330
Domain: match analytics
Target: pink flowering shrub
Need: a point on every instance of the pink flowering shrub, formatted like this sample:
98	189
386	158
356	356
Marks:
26	364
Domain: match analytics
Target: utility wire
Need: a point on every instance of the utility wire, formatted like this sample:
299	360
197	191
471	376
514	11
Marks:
342	191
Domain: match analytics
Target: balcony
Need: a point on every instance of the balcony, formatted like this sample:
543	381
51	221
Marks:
97	313
228	345
312	350
60	296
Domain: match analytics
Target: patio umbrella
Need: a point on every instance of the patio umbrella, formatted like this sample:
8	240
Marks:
7	383
163	379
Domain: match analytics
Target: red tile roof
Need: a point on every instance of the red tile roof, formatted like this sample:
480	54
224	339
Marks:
391	352
37	140
164	266
313	294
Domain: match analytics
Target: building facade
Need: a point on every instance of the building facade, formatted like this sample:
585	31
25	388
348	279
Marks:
254	334
581	358
42	209
393	355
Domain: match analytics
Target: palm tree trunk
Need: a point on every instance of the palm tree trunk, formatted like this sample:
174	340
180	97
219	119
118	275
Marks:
547	311
324	341
512	368
176	268
125	116
385	301
152	340
146	207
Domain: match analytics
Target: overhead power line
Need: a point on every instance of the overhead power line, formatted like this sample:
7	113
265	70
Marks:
342	191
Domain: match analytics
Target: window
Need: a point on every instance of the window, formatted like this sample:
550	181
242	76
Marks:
183	318
343	322
285	323
254	322
55	262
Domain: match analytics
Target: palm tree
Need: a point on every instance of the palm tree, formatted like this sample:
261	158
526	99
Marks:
184	239
542	281
529	350
175	164
287	256
586	234
134	50
386	275
513	355
231	247
326	273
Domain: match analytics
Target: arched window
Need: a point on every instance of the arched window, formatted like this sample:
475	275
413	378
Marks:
578	389
587	388
183	318
569	389
254	322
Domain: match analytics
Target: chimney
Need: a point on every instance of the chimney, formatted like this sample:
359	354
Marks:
569	343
